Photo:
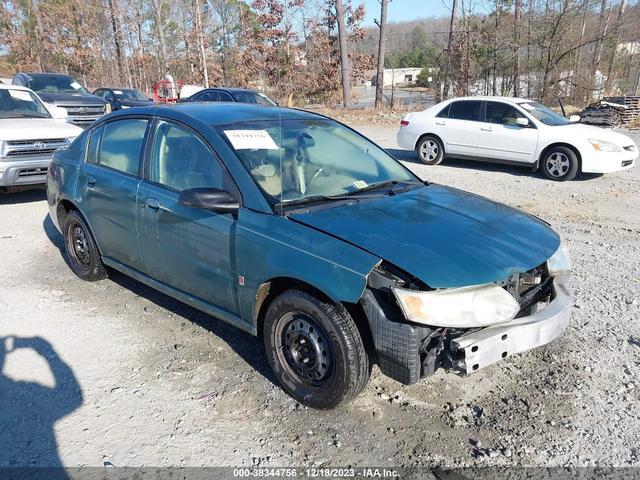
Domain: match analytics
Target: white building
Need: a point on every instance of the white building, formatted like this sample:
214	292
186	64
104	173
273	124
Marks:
400	76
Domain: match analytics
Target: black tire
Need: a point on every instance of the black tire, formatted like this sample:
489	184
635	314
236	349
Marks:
337	365
560	164
430	150
82	252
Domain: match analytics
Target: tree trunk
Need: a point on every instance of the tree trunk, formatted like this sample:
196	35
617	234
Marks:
199	35
162	45
598	48
381	45
608	81
516	48
345	68
116	38
446	80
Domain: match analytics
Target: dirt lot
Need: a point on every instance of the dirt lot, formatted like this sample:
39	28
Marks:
142	379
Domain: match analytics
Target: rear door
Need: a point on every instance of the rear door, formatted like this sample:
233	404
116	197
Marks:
502	138
187	248
459	130
108	182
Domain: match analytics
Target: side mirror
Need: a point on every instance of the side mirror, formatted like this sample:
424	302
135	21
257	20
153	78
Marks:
109	98
574	118
209	199
58	113
523	122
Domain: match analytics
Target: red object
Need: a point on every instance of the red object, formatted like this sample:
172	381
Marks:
404	123
162	91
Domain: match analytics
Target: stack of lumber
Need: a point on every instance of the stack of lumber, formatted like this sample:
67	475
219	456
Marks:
632	102
604	113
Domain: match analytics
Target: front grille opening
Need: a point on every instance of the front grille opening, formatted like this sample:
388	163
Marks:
626	163
532	289
32	172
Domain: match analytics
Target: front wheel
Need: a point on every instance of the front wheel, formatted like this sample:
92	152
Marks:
315	350
560	164
430	150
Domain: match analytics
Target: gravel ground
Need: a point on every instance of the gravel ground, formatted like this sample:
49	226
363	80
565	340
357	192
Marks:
114	373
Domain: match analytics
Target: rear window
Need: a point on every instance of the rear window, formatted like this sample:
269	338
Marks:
465	110
121	145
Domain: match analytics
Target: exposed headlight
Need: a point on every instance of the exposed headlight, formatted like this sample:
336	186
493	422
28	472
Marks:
466	307
125	106
603	146
107	108
560	262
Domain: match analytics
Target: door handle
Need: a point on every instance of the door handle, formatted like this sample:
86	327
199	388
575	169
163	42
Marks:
91	181
441	123
486	129
152	203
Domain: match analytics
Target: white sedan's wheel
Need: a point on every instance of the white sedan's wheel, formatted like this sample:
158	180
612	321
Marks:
430	150
560	164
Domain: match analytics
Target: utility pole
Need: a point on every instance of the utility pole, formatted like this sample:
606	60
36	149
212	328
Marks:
516	48
381	47
345	68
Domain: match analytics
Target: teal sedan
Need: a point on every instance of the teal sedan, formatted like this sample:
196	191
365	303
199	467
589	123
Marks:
294	227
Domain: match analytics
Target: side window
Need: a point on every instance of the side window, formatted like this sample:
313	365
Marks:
180	160
225	97
502	113
465	110
121	145
208	97
444	113
94	144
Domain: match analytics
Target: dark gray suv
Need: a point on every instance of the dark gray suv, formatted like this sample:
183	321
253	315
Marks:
64	91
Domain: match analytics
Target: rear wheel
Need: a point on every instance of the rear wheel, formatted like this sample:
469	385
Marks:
82	252
315	350
560	164
430	150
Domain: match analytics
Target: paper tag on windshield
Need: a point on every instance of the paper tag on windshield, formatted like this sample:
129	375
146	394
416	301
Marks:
251	140
118	92
21	95
360	184
76	85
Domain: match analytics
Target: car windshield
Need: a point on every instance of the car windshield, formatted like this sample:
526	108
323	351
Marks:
16	103
544	114
55	84
130	95
253	97
297	161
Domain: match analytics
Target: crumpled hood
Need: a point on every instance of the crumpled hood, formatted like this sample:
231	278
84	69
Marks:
598	133
71	98
443	236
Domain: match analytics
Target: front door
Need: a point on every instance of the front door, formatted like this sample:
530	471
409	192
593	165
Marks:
109	181
187	248
502	138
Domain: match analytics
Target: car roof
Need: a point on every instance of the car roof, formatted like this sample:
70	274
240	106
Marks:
116	88
231	89
4	86
45	74
493	97
214	113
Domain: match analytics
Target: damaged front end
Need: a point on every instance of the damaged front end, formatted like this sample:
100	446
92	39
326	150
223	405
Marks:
417	330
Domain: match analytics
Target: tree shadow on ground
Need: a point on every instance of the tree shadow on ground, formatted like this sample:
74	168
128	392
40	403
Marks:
249	348
485	166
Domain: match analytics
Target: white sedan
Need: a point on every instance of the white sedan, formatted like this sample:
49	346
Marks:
514	131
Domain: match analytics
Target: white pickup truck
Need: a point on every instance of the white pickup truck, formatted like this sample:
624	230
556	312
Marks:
30	132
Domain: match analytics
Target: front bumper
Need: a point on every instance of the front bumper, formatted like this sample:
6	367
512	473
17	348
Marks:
33	171
608	162
486	346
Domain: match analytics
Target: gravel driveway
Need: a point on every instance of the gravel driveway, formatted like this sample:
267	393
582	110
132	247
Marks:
125	376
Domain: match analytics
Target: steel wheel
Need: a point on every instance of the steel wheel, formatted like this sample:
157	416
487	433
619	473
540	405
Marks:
558	164
78	246
306	349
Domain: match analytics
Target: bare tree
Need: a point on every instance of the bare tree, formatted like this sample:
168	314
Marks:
381	46
448	63
345	67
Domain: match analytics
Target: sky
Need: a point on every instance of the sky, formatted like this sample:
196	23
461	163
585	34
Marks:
400	10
